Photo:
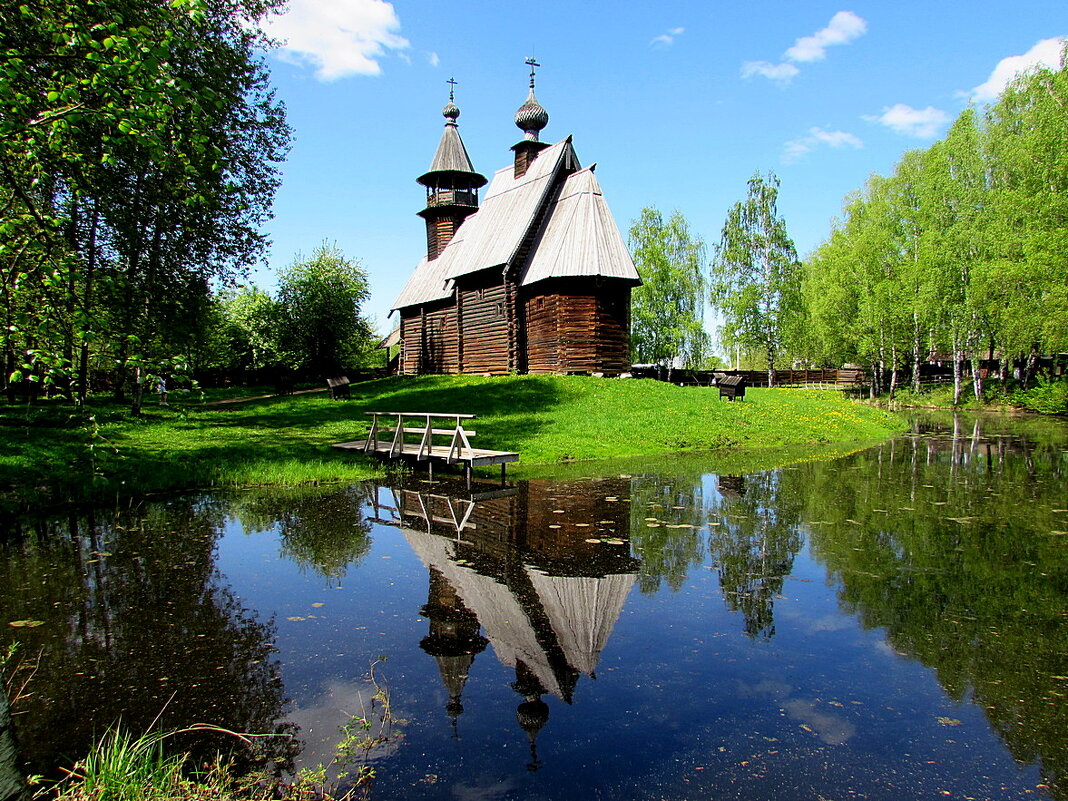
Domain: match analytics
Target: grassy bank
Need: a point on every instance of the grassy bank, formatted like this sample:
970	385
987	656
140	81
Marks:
50	450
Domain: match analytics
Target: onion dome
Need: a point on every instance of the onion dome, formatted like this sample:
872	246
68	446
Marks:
531	117
451	112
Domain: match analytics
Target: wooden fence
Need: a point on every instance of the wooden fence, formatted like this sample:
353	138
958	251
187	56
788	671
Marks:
830	379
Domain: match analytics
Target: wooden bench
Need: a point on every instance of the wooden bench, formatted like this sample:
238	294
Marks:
391	436
731	387
339	387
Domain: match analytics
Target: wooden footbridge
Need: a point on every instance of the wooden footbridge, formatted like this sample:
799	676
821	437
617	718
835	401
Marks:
393	436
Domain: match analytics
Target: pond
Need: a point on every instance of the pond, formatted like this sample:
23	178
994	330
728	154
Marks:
889	624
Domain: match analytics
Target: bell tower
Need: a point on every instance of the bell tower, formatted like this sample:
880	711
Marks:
451	184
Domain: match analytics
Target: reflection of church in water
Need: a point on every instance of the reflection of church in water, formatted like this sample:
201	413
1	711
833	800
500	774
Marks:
545	586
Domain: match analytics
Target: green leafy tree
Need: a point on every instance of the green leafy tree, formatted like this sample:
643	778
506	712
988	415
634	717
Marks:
320	302
667	310
137	150
756	275
248	329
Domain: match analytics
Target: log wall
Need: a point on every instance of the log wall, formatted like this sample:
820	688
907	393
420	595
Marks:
429	341
564	326
484	310
576	326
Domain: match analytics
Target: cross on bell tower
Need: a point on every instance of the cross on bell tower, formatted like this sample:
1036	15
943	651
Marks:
451	183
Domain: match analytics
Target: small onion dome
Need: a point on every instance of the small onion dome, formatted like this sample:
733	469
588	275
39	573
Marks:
531	117
451	112
532	715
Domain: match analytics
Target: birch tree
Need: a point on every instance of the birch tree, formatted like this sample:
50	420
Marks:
667	310
755	280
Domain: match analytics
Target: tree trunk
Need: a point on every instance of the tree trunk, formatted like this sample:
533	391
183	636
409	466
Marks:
916	353
138	393
771	367
893	371
1029	368
958	358
87	306
977	379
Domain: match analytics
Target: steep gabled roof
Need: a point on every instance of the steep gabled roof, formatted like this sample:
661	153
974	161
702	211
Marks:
503	617
580	237
583	611
492	236
426	285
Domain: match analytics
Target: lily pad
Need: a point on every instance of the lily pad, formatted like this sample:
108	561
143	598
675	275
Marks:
26	624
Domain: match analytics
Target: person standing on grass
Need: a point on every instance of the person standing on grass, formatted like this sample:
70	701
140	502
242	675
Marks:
161	388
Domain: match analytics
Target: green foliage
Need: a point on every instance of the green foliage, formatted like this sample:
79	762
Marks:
961	251
667	310
319	302
127	768
137	149
756	275
248	329
1049	397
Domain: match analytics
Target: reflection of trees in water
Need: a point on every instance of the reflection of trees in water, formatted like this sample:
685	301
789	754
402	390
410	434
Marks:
137	625
667	514
752	537
322	530
950	550
754	546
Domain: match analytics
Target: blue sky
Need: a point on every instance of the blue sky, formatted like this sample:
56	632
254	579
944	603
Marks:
678	101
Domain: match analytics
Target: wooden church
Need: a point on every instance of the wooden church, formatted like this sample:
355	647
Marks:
535	280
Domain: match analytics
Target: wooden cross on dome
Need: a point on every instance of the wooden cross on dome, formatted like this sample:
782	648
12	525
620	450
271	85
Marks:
532	64
452	86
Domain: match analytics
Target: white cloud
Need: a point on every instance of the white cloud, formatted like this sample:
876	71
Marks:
922	123
667	39
433	59
1045	53
338	37
780	73
796	149
844	27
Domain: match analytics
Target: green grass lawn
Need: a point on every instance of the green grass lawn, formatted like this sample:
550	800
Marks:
51	452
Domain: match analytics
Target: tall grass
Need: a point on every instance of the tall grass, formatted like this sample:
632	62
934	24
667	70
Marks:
127	768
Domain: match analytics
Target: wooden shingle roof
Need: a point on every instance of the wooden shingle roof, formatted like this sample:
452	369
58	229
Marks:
580	237
491	237
426	284
451	159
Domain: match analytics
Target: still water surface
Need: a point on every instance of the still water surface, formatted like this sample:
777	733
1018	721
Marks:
890	624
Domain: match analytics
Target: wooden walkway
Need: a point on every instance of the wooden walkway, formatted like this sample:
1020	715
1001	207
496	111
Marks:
391	433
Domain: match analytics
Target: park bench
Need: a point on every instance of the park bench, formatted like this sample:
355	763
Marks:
731	387
339	387
393	435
